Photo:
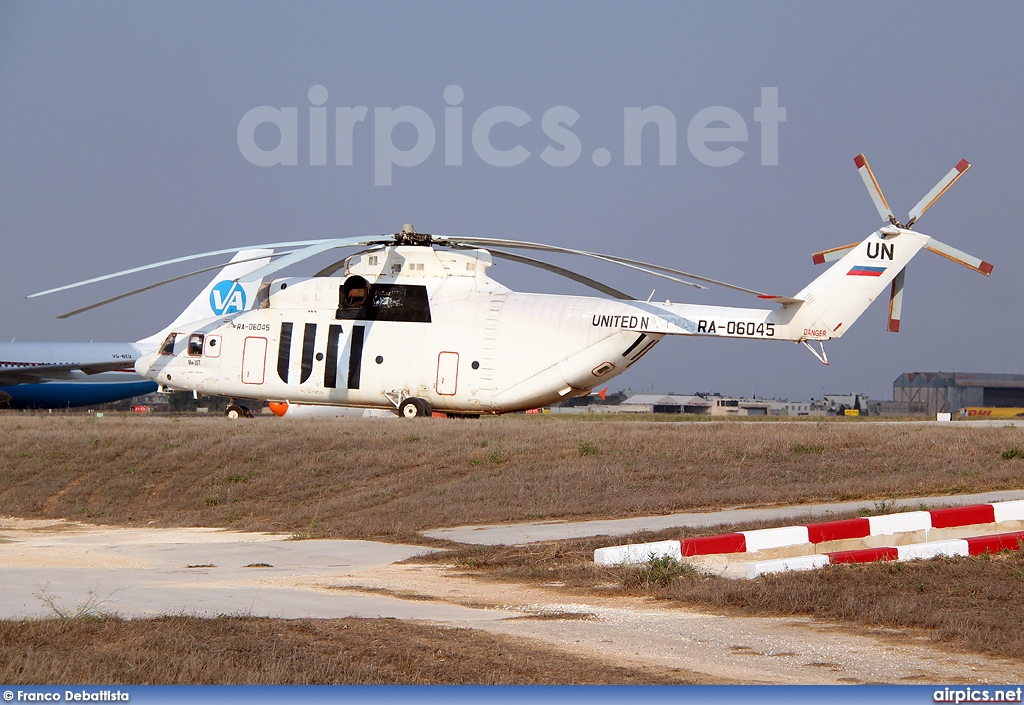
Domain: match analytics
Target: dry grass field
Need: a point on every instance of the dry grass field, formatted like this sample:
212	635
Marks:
245	650
389	480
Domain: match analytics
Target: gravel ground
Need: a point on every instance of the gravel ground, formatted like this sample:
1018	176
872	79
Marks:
697	646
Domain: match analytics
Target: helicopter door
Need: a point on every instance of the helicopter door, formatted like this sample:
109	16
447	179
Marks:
447	373
254	360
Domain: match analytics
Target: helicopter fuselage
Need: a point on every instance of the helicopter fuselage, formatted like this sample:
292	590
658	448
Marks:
407	322
418	323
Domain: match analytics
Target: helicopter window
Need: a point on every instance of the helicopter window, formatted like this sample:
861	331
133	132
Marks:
212	346
195	344
386	302
353	292
167	347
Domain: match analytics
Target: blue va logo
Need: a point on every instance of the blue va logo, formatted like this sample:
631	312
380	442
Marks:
227	297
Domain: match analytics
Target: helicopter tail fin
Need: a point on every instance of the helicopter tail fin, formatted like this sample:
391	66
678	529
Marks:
837	298
832	302
882	253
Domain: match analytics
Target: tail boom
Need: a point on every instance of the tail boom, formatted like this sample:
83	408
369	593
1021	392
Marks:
824	309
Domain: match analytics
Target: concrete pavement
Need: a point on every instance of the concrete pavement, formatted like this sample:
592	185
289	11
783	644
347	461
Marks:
203	572
531	532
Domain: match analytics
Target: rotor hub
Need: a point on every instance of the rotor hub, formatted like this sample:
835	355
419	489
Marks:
409	236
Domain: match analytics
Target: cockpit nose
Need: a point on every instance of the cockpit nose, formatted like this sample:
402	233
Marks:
145	364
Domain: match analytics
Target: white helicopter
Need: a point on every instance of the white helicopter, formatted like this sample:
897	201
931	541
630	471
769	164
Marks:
414	324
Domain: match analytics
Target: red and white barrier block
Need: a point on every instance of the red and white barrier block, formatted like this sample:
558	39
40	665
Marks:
813	534
956	547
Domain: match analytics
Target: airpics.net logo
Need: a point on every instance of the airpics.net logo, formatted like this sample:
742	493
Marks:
715	135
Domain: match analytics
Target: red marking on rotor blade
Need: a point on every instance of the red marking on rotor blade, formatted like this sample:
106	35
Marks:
706	545
865	555
985	268
963	516
894	325
836	530
962	165
859	160
819	258
997	542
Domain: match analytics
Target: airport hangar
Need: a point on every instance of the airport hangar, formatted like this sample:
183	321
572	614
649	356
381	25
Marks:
943	392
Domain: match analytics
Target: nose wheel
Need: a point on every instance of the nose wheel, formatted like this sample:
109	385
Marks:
412	408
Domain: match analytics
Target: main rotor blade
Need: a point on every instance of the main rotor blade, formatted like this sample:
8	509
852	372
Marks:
629	264
125	295
176	260
638	265
624	261
335	266
302	255
874	190
936	193
568	273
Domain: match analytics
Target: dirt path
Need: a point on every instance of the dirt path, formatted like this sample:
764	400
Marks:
277	578
717	648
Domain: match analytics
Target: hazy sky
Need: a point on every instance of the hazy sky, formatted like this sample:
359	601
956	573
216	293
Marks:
120	126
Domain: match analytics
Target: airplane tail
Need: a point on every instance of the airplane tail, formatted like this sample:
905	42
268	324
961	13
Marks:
223	295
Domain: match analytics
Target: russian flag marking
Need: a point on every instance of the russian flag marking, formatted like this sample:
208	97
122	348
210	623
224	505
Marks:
864	271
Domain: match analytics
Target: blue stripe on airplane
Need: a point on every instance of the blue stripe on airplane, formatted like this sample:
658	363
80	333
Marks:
60	395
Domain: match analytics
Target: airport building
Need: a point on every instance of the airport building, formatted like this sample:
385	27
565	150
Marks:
948	392
665	404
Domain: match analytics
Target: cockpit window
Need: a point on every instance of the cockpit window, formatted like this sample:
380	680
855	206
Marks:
362	301
195	344
167	348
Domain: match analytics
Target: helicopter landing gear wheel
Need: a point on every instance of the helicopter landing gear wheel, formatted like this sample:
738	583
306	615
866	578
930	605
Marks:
413	408
237	412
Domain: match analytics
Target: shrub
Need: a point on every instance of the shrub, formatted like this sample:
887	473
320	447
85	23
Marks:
659	571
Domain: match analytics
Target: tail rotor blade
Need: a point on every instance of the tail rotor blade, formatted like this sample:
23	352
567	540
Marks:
874	190
896	301
936	193
960	257
832	255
